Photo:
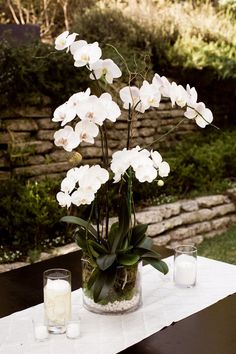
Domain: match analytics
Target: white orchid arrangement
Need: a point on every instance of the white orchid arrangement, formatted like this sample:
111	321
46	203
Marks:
124	243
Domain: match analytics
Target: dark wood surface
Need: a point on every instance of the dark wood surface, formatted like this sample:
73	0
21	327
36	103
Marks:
211	331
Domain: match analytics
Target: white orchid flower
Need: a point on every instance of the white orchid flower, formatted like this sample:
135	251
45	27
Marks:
162	166
178	95
93	110
77	45
101	174
66	138
77	172
82	197
150	95
163	84
68	185
65	40
106	68
130	95
147	174
164	169
86	131
76	98
192	95
87	54
60	113
111	108
64	199
202	115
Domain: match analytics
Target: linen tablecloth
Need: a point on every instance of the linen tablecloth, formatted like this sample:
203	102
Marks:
163	304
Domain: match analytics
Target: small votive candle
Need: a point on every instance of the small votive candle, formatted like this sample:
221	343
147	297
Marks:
185	266
40	329
73	329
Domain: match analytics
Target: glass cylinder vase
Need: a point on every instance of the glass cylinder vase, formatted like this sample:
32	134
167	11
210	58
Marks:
124	296
57	299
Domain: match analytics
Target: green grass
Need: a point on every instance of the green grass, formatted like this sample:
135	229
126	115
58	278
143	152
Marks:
222	248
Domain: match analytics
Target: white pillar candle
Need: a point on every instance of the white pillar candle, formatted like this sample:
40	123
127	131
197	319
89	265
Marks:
73	330
185	270
57	301
40	332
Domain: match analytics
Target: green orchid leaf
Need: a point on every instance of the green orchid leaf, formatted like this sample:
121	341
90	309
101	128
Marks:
138	233
80	239
105	261
113	234
128	259
103	283
92	278
118	234
81	222
93	252
123	218
158	264
99	248
146	243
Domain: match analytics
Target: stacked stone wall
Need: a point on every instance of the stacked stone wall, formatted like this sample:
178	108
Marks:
190	221
27	148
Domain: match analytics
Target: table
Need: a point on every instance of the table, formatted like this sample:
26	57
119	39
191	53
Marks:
210	331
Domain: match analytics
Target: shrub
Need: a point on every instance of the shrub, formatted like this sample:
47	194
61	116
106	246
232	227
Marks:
29	218
199	165
29	73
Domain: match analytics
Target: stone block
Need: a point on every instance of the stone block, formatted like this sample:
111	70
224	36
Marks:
11	137
233	219
38	147
158	228
212	200
221	210
46	123
214	233
59	155
149	216
197	216
44	169
45	135
196	240
91	152
168	210
21	125
189	205
161	240
220	223
145	132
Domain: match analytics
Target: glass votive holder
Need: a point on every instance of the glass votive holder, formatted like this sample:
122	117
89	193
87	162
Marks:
40	329
73	328
185	266
57	299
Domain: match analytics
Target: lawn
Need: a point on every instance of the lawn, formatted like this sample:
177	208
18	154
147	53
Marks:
222	248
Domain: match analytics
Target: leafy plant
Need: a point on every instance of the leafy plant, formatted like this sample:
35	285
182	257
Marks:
29	218
124	246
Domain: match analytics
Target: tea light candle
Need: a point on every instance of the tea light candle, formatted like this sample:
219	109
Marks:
40	332
73	330
185	270
57	301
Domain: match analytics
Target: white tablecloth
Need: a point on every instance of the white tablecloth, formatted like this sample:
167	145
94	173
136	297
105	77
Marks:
163	303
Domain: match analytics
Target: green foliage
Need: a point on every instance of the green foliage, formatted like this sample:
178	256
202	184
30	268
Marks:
222	247
110	27
29	218
124	246
30	73
204	163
